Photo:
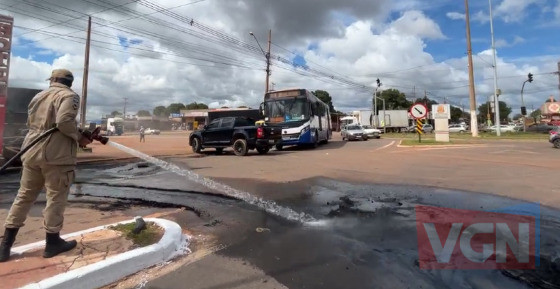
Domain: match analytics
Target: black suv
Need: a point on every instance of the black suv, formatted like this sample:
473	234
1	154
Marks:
241	133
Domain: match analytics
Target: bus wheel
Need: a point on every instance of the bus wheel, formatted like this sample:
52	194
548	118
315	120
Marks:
278	147
316	140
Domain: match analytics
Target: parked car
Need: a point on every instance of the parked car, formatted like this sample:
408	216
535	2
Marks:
241	133
540	128
371	132
555	137
353	132
460	128
427	128
151	131
503	128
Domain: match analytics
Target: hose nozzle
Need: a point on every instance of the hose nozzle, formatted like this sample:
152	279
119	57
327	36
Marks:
94	135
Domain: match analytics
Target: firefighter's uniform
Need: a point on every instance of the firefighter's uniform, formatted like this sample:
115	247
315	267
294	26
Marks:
49	164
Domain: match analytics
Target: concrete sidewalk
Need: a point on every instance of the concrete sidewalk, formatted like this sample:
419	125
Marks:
103	256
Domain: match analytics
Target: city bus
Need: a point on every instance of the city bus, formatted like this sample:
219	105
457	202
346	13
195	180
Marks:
304	118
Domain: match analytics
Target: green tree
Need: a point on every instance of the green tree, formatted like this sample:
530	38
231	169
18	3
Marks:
175	108
160	111
116	114
195	105
394	99
325	97
143	113
536	115
505	110
456	114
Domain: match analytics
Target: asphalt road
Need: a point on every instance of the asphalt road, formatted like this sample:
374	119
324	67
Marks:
363	193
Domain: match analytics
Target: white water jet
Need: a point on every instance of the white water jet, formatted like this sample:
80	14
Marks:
269	206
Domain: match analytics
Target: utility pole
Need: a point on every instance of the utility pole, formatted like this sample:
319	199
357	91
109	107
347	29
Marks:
496	90
268	59
85	80
474	121
124	109
266	55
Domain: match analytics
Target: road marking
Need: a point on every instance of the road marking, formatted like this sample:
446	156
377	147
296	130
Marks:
513	151
385	146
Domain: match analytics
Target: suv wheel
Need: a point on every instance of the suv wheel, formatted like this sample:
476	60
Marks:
240	147
196	145
557	143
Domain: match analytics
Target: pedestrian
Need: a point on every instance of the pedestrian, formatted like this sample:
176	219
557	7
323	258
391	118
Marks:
49	164
142	133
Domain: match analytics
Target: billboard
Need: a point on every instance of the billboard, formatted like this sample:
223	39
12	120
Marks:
6	26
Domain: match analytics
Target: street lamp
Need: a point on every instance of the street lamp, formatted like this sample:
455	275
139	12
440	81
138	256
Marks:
266	55
384	115
523	108
376	118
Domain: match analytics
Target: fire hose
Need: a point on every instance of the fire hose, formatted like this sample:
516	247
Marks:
94	135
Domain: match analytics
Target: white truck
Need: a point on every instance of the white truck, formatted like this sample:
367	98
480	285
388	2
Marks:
115	126
364	116
393	120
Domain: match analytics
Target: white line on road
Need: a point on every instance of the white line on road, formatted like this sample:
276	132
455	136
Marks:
385	146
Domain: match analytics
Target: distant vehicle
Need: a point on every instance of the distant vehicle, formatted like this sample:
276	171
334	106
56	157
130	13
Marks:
371	132
304	118
393	120
353	132
238	132
427	128
152	131
555	137
115	126
503	128
348	120
457	128
540	128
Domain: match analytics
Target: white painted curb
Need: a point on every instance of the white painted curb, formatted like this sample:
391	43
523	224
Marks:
115	267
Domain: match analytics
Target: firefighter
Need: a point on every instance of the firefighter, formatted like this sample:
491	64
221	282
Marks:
49	164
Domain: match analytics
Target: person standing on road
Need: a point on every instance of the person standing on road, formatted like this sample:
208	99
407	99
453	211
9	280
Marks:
49	164
142	133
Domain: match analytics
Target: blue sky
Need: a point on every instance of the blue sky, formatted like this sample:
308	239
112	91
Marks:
417	44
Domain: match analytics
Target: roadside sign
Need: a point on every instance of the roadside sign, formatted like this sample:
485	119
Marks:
418	110
419	126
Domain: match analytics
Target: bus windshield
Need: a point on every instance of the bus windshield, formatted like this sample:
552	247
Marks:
287	110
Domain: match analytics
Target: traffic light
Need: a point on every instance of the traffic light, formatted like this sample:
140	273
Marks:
523	111
378	82
530	77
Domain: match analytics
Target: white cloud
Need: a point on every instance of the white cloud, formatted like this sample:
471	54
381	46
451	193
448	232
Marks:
417	24
455	16
175	66
513	10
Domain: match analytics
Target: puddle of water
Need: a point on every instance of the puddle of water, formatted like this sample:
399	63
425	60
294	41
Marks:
267	205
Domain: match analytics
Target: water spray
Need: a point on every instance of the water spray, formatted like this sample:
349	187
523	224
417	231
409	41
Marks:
269	206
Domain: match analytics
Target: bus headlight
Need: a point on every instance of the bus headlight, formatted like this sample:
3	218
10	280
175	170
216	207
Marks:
304	130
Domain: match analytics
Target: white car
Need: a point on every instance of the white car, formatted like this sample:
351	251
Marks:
457	128
504	128
151	131
371	132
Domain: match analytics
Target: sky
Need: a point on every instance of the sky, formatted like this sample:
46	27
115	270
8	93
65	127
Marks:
149	53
